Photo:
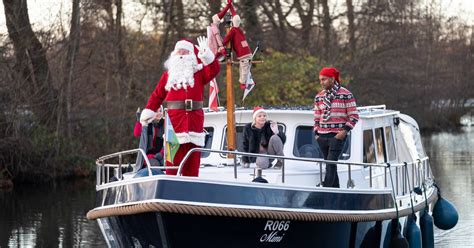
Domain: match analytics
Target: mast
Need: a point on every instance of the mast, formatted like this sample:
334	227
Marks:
230	95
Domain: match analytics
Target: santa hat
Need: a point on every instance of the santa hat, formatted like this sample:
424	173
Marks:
235	17
189	46
184	44
330	72
256	111
218	17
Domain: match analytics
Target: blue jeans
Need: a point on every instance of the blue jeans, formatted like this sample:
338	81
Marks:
331	149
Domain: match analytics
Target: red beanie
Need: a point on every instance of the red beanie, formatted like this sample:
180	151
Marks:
330	72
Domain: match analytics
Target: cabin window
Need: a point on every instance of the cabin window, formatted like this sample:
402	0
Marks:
306	145
208	141
369	146
390	144
379	138
239	136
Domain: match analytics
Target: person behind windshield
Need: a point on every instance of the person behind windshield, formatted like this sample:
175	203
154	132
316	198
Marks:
262	136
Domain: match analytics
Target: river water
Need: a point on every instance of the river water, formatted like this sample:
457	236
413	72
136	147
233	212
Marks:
54	215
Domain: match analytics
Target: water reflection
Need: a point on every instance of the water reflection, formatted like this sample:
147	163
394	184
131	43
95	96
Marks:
49	216
54	215
451	157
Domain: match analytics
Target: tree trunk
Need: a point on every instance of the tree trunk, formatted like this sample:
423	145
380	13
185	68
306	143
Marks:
306	21
180	24
351	27
74	39
167	22
31	64
326	28
122	74
249	16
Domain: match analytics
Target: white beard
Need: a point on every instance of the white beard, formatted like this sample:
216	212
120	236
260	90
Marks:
181	69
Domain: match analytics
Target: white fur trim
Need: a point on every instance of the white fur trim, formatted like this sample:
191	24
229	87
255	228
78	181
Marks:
147	116
216	19
257	112
236	21
186	45
206	56
191	137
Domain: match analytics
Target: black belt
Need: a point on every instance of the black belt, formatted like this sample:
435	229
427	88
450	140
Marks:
188	105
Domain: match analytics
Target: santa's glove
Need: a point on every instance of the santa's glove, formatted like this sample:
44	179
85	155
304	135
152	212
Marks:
205	54
147	116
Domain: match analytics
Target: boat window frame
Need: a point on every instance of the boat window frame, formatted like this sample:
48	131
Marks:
392	133
281	128
378	153
364	156
208	141
346	150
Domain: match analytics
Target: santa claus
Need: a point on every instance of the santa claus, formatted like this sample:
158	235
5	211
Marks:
180	90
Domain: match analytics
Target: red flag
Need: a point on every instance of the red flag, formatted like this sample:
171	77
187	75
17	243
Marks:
213	95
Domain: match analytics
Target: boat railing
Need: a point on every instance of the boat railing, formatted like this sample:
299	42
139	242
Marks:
402	181
103	169
404	176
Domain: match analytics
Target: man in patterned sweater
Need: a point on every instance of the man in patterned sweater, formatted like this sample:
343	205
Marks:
335	114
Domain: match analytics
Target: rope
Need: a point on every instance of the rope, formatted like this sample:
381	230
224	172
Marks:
247	213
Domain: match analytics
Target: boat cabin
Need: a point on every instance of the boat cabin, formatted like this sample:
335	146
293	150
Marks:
381	136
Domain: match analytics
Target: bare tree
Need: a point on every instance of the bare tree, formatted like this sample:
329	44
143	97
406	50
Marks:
31	64
306	17
277	17
251	21
73	49
327	23
351	26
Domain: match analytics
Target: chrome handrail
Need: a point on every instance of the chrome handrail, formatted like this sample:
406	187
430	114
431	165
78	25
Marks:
103	175
421	170
315	160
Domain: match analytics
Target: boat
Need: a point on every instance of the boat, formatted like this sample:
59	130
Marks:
384	172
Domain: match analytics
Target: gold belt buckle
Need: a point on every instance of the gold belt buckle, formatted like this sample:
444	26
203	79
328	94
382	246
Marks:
188	104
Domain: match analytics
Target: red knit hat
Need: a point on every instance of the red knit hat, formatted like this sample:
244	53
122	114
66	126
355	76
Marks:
330	72
256	111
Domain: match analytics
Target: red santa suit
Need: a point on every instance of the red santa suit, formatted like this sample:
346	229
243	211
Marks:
187	123
239	42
